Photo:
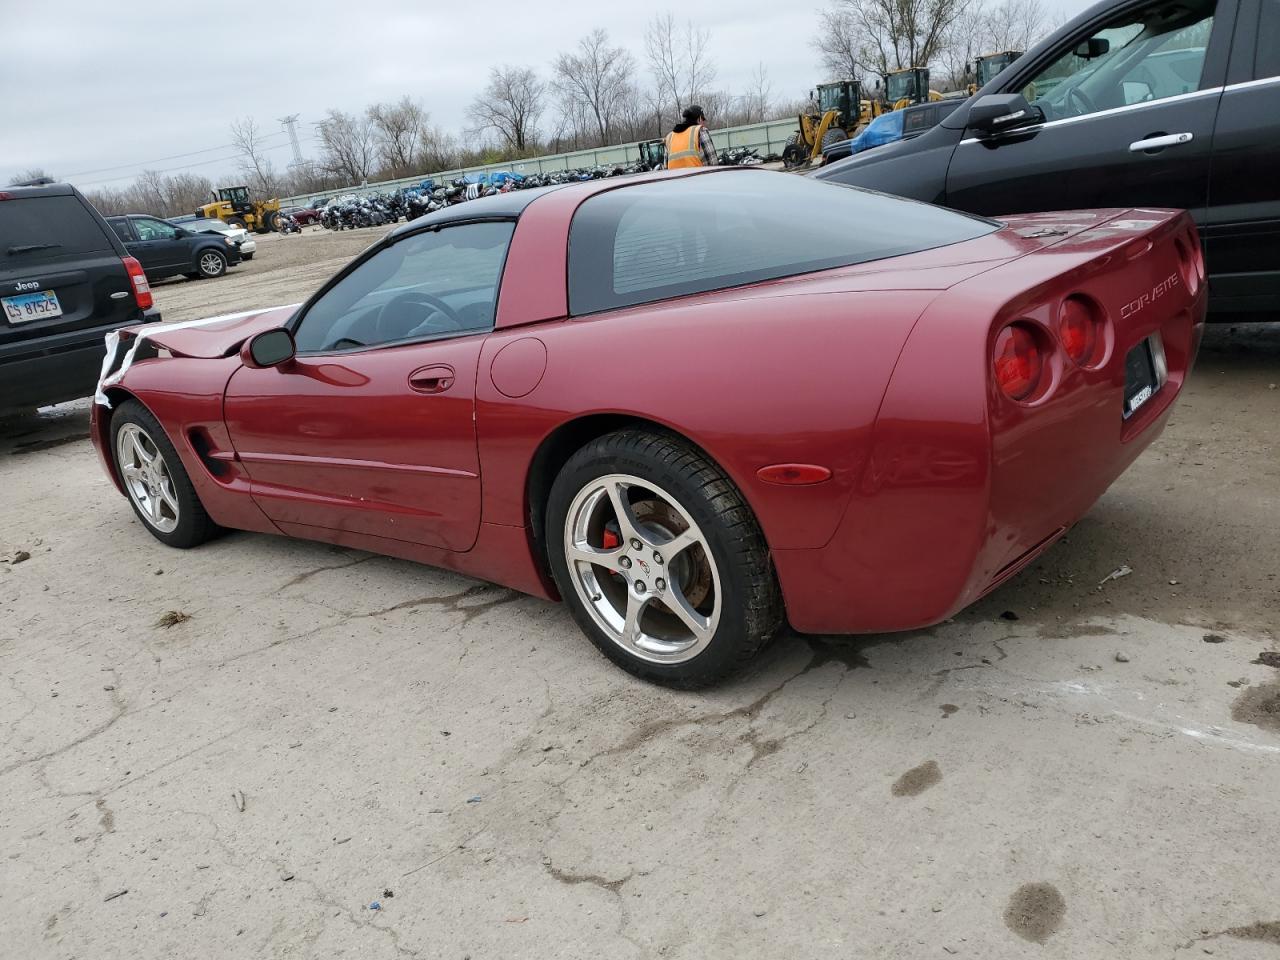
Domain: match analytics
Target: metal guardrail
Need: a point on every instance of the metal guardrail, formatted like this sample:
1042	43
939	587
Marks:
768	137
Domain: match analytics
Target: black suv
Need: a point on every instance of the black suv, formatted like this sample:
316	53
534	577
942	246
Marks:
65	281
1134	103
166	250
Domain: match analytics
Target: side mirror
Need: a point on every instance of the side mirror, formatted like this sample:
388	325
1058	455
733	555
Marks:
271	348
998	112
1093	48
181	232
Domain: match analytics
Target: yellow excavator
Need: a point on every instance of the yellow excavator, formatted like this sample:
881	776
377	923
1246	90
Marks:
834	115
235	206
907	87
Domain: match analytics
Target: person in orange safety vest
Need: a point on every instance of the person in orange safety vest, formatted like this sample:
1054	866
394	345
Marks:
689	144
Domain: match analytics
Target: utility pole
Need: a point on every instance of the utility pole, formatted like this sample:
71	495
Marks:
291	124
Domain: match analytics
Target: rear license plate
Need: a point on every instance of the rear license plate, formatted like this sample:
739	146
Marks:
31	306
1140	380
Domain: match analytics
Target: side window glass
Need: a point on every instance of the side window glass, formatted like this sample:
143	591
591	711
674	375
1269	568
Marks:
1151	54
149	229
1266	61
430	285
121	227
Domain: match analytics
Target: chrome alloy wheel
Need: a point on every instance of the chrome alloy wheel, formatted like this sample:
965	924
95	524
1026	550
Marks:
642	568
147	478
211	265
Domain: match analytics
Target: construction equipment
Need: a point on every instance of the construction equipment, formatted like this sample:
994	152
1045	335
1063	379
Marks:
653	154
834	115
988	65
234	205
907	87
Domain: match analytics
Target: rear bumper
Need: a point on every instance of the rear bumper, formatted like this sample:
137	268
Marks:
56	368
965	488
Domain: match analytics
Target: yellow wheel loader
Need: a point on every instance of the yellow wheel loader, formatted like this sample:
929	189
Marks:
834	115
235	206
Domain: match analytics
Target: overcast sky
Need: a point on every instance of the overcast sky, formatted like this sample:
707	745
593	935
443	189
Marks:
95	92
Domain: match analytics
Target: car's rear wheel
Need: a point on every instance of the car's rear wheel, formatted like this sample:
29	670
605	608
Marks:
211	263
154	479
660	559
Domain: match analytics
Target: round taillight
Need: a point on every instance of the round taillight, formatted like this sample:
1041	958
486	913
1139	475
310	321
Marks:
1018	362
1080	330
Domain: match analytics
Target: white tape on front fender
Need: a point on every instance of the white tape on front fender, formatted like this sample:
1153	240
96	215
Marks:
107	379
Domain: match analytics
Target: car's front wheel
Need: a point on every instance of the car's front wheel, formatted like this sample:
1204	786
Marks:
154	479
211	263
660	559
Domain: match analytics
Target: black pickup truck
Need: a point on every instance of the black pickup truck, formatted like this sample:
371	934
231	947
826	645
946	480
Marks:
1134	103
66	280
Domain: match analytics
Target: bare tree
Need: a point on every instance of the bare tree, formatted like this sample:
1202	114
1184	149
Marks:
511	105
32	173
756	104
347	146
679	60
155	193
1014	25
839	43
254	164
594	81
887	35
400	129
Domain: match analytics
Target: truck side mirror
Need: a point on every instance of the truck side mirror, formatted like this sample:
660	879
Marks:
998	112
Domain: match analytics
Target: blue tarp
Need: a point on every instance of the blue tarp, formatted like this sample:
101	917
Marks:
885	128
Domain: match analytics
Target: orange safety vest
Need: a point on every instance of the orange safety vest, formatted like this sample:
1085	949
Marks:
683	148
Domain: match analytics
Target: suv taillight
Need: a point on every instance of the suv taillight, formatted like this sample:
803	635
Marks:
141	288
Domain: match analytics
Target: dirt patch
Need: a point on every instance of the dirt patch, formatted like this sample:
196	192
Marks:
918	779
1260	706
1268	658
1263	931
171	618
948	709
1035	911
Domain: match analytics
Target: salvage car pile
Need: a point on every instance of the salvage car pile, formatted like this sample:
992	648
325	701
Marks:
351	211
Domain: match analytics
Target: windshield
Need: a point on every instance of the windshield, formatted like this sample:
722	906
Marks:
654	241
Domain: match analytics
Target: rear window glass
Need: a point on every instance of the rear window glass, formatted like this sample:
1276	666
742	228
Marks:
667	239
40	229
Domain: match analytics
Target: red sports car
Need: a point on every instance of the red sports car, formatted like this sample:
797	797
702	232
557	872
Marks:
691	404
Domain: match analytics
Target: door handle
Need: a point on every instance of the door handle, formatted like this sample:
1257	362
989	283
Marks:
1159	142
433	379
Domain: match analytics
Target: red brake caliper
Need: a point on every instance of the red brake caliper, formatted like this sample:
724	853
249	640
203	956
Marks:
611	540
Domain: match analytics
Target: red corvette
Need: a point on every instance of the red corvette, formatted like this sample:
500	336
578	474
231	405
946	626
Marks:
691	404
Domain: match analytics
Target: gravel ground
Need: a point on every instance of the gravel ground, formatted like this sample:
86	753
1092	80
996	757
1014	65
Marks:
238	751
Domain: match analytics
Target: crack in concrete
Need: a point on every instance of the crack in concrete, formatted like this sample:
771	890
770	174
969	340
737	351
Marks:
119	708
304	577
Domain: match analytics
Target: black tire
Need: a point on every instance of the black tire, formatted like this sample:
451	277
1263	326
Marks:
238	222
270	222
834	135
193	526
210	263
794	154
750	601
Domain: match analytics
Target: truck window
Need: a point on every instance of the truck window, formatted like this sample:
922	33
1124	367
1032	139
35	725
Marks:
1151	54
